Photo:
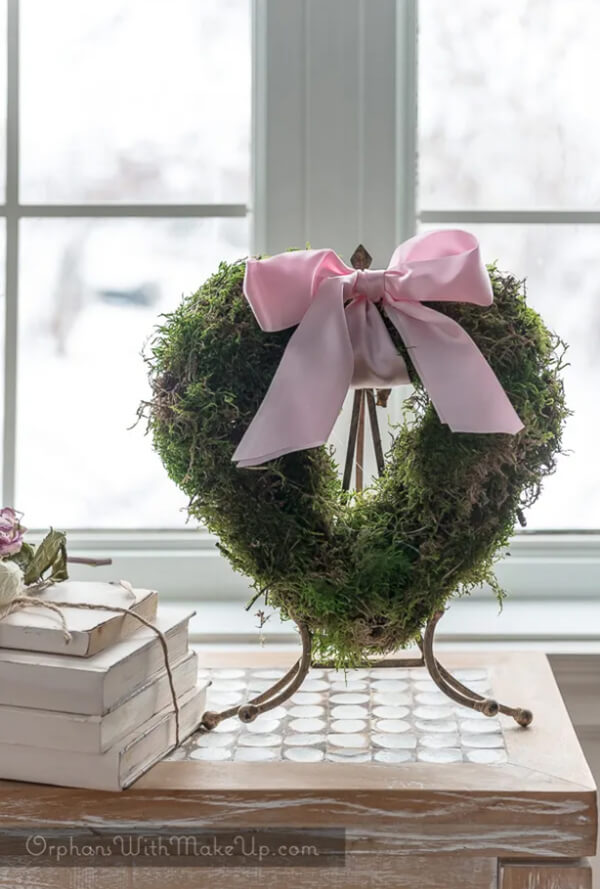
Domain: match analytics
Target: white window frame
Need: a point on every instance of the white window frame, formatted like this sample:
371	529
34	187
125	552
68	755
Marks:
335	163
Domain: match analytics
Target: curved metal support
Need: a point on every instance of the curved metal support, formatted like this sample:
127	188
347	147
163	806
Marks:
283	689
458	692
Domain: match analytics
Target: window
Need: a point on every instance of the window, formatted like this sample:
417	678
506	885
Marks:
127	172
130	152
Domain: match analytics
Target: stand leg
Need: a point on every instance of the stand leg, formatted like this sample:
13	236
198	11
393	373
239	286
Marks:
283	689
356	411
360	444
458	692
371	404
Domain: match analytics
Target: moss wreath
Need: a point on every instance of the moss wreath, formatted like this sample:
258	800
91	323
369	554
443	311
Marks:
364	572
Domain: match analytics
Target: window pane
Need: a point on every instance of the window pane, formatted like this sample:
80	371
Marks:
2	340
91	293
508	111
562	268
135	100
2	100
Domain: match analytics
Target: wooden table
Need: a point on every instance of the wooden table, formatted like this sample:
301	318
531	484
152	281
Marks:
525	818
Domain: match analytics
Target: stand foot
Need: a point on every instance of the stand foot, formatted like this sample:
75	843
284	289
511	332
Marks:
460	693
283	689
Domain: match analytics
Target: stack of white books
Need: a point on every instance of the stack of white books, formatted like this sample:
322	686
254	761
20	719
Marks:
96	711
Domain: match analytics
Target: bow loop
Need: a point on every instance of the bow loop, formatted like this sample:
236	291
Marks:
396	284
341	340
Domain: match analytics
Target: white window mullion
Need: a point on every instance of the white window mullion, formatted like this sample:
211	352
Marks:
12	255
406	112
325	126
258	236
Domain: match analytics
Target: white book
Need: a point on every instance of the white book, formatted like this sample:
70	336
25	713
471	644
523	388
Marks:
93	685
117	767
95	734
35	628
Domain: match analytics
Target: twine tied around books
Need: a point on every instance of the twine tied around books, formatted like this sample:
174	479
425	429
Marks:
16	600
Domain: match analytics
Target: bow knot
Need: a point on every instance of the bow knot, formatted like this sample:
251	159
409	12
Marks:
370	283
341	339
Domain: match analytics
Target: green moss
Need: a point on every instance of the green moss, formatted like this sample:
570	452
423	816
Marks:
364	571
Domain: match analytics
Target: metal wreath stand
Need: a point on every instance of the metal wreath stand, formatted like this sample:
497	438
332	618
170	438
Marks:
289	684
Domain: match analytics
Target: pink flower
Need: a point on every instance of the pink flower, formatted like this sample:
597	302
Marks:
11	531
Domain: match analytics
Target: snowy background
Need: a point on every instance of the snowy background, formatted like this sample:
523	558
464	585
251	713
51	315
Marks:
149	101
126	101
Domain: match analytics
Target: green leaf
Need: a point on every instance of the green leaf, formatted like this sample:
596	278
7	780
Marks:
50	555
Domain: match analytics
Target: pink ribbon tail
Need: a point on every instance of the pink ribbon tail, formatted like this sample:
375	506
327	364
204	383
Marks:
309	386
464	389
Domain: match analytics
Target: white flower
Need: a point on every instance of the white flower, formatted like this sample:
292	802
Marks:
11	582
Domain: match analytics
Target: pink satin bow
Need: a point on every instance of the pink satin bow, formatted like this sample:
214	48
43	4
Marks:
341	340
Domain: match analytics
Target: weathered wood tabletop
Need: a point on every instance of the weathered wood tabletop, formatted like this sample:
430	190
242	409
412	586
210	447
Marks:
426	793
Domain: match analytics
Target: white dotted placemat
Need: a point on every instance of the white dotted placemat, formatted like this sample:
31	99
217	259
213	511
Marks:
380	715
